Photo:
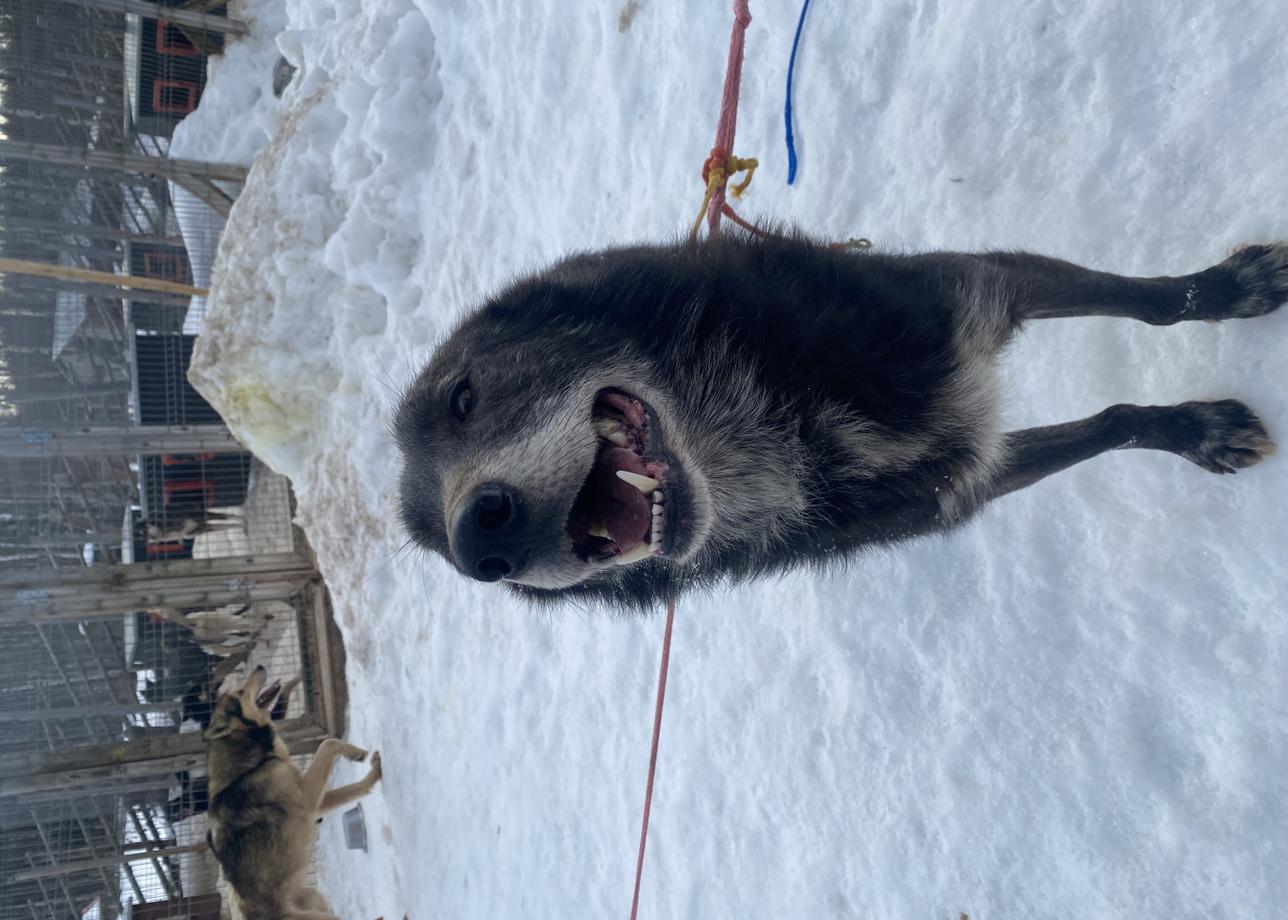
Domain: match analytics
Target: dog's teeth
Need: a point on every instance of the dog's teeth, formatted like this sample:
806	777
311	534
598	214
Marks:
645	484
640	552
659	496
599	530
611	431
658	511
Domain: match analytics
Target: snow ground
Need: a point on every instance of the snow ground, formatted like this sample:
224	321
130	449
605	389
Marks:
1076	707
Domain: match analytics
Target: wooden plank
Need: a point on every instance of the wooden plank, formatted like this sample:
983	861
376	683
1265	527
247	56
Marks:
88	607
126	441
97	709
206	192
120	161
73	273
110	764
176	15
322	663
32	395
112	577
85	865
202	6
89	231
84	592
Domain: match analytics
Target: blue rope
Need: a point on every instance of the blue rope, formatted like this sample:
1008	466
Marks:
787	109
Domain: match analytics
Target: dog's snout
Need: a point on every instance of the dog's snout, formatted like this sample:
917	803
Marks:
490	537
494	508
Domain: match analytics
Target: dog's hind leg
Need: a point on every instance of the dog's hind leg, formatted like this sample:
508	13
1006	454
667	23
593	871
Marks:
338	798
1222	437
1252	282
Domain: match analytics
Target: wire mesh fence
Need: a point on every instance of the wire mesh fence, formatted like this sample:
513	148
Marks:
146	559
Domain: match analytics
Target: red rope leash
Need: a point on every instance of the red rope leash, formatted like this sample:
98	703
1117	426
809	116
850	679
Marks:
727	126
715	173
652	757
721	165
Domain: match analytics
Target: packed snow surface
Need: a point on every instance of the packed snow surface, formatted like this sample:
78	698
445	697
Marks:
1075	707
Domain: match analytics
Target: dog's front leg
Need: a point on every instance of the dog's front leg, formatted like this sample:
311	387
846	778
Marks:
319	771
338	798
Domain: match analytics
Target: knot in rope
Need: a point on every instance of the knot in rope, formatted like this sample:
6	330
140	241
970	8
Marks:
717	170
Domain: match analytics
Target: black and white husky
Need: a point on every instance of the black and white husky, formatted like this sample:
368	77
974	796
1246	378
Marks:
632	423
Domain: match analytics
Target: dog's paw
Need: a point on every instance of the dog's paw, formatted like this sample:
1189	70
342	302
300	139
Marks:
1260	276
355	753
1224	436
376	770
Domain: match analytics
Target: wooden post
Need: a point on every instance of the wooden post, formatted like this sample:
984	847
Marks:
165	167
96	709
50	595
33	395
73	273
122	442
202	6
193	175
88	231
110	764
176	15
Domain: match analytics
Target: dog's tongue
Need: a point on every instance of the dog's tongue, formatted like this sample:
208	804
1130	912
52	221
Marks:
266	695
623	509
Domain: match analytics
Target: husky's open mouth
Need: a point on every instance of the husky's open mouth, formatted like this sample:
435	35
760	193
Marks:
268	694
620	515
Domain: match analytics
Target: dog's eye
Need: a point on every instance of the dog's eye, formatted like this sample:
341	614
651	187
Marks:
461	400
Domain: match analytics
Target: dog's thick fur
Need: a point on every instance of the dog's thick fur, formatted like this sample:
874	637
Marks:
800	403
263	810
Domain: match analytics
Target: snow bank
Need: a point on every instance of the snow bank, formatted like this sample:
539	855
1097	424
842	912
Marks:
1072	708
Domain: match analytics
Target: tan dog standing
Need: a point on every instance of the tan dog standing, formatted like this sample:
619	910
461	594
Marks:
263	809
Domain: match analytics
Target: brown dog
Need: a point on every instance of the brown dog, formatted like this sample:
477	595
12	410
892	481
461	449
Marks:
263	810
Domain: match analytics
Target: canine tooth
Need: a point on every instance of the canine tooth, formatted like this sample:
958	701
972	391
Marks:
599	530
659	496
635	555
645	484
611	431
658	511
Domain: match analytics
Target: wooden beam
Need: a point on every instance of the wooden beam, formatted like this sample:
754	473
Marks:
121	161
96	709
85	592
110	764
202	6
86	865
22	397
89	231
73	273
111	577
174	14
207	192
126	441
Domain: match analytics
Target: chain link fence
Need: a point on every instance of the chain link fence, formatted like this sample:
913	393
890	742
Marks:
146	559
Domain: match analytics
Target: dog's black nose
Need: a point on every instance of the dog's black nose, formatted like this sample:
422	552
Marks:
490	537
